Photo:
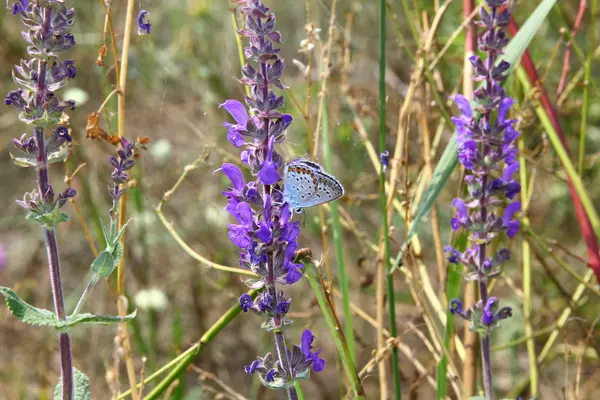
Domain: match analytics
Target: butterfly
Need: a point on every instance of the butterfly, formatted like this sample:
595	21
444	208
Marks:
305	184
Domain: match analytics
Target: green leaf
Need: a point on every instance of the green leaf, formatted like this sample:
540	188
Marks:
24	160
31	315
117	238
81	387
25	312
59	155
97	319
337	333
104	264
105	232
444	168
117	253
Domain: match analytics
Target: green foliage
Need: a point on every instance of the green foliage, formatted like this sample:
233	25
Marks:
81	387
31	315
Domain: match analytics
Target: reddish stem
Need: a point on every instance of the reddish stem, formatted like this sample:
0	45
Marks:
589	236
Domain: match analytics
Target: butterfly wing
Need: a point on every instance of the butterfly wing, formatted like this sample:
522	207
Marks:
328	189
299	184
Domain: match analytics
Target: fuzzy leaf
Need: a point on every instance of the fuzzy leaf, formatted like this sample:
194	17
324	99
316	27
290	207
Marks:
81	387
59	155
24	160
26	312
97	319
104	264
31	315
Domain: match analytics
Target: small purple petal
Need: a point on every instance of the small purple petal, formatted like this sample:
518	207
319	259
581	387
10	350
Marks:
245	302
318	363
237	111
268	175
463	105
252	367
513	228
235	176
503	109
509	171
270	377
293	276
264	232
456	306
509	211
239	236
235	138
244	214
306	342
144	28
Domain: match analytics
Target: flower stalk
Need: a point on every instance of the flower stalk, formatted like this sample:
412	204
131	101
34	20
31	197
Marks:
48	24
486	142
264	231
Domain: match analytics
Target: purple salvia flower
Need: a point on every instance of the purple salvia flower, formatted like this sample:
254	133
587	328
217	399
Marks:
144	26
485	138
264	230
121	164
47	34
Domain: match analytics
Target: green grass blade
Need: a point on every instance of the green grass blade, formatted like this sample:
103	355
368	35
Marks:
452	291
383	198
316	284
338	243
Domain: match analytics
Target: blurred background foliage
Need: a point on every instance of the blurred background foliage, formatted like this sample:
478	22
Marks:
178	76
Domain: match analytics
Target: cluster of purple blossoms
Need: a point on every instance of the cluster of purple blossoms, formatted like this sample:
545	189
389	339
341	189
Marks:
264	231
48	25
486	149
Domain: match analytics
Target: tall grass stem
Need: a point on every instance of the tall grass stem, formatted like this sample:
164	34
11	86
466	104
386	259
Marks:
383	200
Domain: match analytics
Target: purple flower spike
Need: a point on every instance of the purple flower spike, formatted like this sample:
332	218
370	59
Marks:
264	231
485	139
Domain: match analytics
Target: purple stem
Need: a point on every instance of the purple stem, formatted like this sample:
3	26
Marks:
279	335
486	359
66	364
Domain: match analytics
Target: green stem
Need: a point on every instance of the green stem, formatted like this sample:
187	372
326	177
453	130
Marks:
586	89
338	243
383	197
526	254
86	293
187	357
316	283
